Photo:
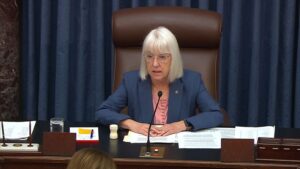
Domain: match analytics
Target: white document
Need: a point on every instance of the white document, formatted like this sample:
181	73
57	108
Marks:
201	139
16	130
225	132
133	137
254	132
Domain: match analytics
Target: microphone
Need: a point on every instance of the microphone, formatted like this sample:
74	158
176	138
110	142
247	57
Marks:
148	151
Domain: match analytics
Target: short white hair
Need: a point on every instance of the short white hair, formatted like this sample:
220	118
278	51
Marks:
163	40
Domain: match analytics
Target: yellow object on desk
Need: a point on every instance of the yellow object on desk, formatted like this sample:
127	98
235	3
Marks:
86	134
84	131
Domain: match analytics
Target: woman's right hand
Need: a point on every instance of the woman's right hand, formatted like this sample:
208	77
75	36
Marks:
141	128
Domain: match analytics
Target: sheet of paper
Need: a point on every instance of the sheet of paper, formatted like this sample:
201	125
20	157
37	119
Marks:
85	133
200	139
15	130
254	132
225	132
133	137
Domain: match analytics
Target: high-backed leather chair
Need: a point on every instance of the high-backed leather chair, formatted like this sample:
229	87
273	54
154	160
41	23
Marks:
198	33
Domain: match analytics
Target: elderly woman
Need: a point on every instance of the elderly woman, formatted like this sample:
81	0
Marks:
183	92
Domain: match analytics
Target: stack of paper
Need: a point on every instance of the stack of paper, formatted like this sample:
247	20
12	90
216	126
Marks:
208	138
254	132
16	130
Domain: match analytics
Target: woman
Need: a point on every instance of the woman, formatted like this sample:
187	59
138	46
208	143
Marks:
89	158
183	92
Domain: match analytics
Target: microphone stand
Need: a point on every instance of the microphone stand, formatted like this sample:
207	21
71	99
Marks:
146	152
3	135
159	94
30	136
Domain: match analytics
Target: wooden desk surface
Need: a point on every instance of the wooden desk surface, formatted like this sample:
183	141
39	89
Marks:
126	154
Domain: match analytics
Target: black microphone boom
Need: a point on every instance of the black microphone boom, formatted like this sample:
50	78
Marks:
148	151
3	135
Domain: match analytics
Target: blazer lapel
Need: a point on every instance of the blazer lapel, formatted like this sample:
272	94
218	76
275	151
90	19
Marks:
145	97
175	96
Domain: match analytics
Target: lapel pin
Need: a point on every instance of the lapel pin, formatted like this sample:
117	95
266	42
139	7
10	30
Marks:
176	92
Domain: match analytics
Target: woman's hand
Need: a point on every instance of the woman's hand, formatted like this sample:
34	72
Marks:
156	130
172	128
141	128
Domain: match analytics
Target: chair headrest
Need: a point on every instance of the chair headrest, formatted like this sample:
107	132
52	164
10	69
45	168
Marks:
193	28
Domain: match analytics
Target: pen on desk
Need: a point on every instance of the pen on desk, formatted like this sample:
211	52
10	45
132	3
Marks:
92	133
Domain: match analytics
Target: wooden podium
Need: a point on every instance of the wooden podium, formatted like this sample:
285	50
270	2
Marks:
59	144
237	150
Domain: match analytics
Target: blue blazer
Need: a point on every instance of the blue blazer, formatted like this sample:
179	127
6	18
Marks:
186	94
